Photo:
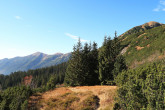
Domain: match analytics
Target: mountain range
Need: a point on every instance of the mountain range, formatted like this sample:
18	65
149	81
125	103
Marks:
33	61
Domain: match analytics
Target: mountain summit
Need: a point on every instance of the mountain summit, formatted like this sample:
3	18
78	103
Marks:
38	53
141	28
33	61
151	24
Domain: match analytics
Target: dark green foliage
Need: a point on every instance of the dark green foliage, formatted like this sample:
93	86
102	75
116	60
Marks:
15	98
93	65
73	75
53	81
82	67
107	57
119	65
40	76
143	87
87	66
105	61
24	105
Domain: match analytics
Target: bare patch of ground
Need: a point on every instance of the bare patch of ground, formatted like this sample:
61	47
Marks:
141	35
106	94
124	50
139	48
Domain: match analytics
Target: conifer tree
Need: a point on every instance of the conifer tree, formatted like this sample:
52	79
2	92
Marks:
119	65
73	75
107	58
93	58
105	61
83	65
52	82
86	64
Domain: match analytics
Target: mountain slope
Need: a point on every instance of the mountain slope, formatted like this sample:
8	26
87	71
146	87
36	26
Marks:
142	28
144	43
75	98
33	61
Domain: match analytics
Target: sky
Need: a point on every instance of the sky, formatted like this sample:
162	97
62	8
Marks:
53	26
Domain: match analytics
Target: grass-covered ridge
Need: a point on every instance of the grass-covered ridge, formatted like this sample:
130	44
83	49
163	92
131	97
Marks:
147	45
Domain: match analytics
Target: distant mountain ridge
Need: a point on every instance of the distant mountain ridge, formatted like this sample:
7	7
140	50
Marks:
33	61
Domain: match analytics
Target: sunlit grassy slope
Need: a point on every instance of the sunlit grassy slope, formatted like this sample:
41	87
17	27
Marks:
78	98
143	45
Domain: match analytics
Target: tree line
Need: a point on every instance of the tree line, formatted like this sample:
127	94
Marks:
89	65
14	95
40	76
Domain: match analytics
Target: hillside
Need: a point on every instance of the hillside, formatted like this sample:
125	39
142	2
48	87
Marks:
76	98
138	86
33	61
141	28
144	43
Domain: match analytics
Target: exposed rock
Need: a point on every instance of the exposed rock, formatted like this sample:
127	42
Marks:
124	50
151	24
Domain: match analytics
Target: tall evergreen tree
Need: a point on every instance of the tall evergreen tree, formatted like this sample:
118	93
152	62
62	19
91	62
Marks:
107	58
52	82
73	75
82	67
119	65
93	60
105	62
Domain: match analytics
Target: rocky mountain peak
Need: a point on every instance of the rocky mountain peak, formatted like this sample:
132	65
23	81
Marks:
151	24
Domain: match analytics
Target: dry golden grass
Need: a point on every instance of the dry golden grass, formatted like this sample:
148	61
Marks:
105	93
157	56
141	35
79	98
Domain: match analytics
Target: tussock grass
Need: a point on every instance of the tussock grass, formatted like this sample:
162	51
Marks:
79	98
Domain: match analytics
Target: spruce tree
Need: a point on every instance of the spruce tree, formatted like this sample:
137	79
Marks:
102	63
73	76
107	58
93	58
52	82
119	65
83	66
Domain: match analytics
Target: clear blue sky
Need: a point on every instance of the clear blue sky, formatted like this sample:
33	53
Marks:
51	26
